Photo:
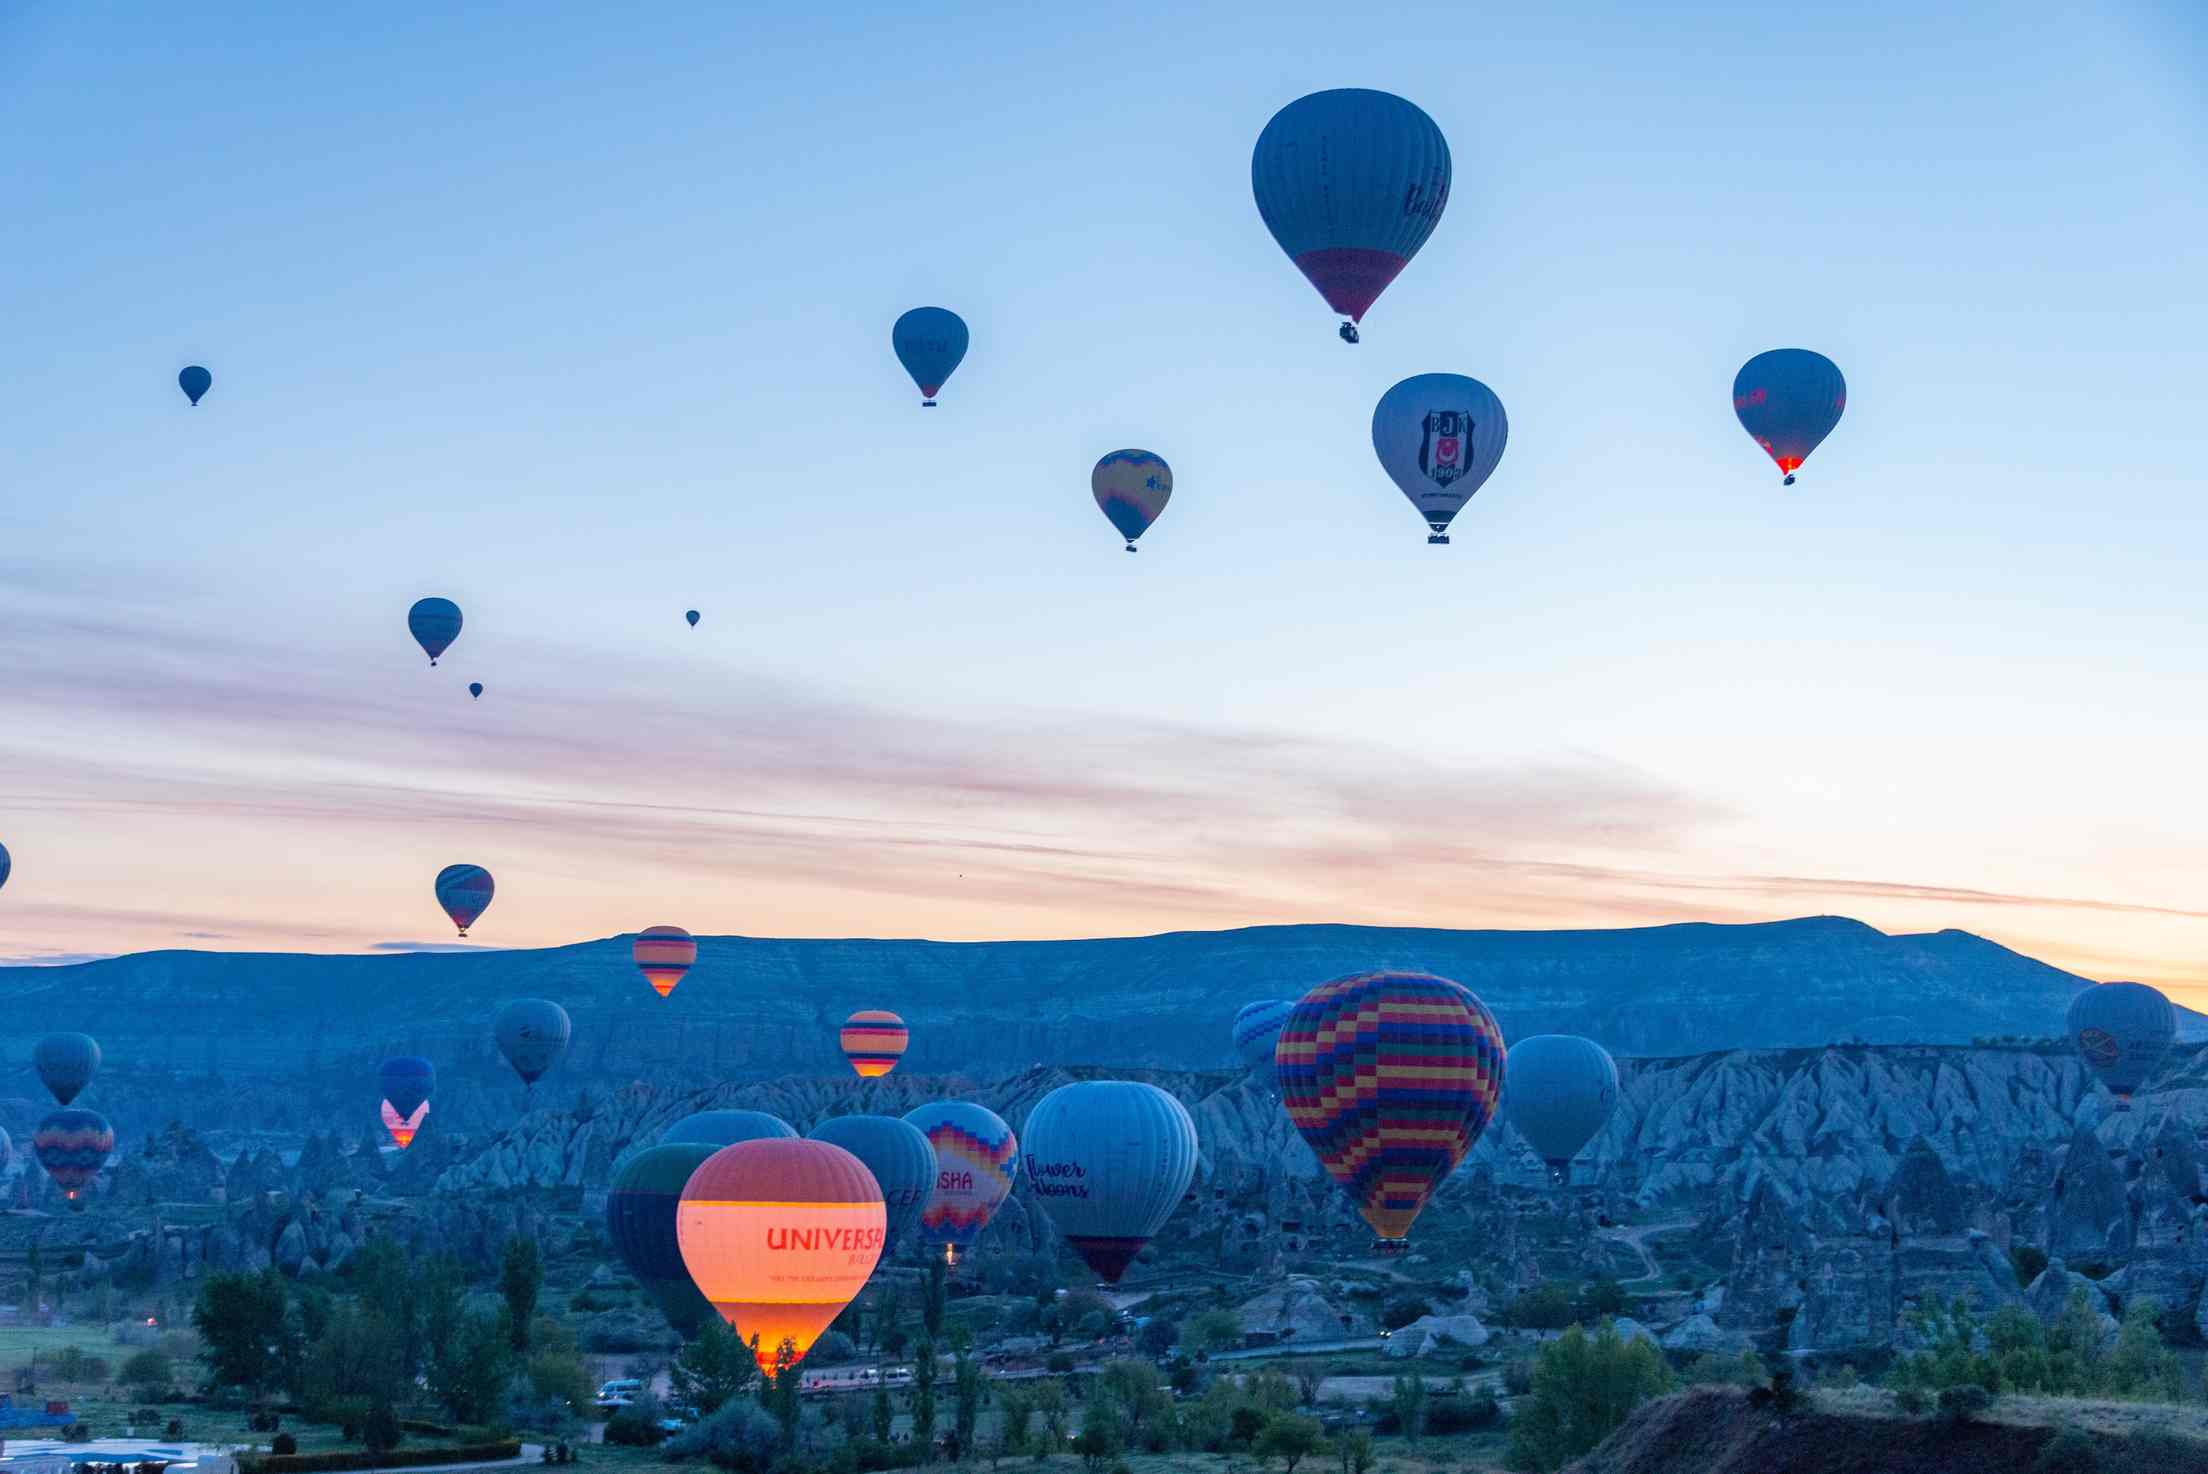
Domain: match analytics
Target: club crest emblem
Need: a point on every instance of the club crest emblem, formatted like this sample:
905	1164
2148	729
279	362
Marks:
1446	452
2099	1046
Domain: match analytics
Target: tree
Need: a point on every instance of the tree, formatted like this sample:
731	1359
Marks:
966	1398
881	1414
1354	1449
1136	1387
1310	1377
358	1359
1157	1335
379	1431
1584	1386
1212	1330
889	1310
1050	1406
1289	1438
1103	1433
148	1373
1014	1409
241	1324
469	1367
520	1277
1600	1297
783	1392
924	1372
931	1308
1545	1307
1408	1399
712	1368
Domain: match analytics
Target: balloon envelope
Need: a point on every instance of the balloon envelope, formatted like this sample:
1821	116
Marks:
1257	1028
1562	1089
2122	1031
1439	437
407	1081
726	1128
1132	487
1390	1076
663	954
475	689
532	1033
194	381
976	1155
403	1127
930	342
5	864
873	1040
1351	183
66	1063
72	1145
1788	401
435	624
780	1235
1110	1160
902	1161
464	891
640	1220
692	616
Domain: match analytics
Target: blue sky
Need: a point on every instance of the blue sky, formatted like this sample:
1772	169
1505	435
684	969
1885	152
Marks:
582	319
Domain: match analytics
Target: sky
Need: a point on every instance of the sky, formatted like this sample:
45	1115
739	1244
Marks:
579	315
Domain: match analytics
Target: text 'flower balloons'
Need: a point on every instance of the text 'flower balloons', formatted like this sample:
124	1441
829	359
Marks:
780	1235
66	1064
403	1127
464	892
2123	1031
1390	1076
435	624
1788	401
725	1128
902	1161
873	1040
1439	437
1351	183
641	1203
1131	487
1561	1090
73	1145
1110	1160
532	1033
976	1155
663	954
195	382
930	342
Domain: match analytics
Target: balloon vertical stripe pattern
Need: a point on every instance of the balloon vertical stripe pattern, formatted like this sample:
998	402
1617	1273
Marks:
1109	1160
464	893
1789	400
640	1222
1390	1076
1561	1091
976	1155
873	1040
663	954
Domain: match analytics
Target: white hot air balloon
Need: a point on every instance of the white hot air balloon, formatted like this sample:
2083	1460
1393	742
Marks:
1439	436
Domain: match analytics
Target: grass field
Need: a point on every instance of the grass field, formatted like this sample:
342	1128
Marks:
18	1342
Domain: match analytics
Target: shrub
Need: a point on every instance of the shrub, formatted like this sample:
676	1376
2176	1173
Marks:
2069	1451
379	1428
742	1435
331	1463
77	1432
1517	1377
1463	1414
1060	1363
1584	1386
1545	1307
1962	1404
1912	1400
637	1425
1401	1312
832	1347
283	1443
174	1428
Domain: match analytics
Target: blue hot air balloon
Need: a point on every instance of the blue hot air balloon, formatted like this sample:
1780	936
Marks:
1131	488
464	893
726	1128
1788	401
1110	1161
930	342
475	689
2123	1031
1257	1029
5	864
898	1155
532	1033
1350	183
66	1063
1439	437
407	1080
435	624
195	381
1558	1091
692	616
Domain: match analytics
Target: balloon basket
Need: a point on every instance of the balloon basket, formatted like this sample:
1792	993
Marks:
1438	540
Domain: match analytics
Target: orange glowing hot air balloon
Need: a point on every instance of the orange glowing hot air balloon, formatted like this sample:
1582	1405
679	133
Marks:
780	1234
873	1040
664	954
402	1128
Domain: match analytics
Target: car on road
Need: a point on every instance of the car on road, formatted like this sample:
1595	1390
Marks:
619	1393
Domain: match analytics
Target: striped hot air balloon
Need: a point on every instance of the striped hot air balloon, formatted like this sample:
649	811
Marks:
664	954
1257	1029
976	1155
640	1220
402	1128
1390	1076
780	1235
73	1145
1131	488
1788	401
1109	1160
873	1040
464	892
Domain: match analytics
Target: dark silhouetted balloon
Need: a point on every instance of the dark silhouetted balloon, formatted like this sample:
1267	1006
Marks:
976	1157
663	954
475	689
1131	488
929	342
435	624
464	891
1561	1090
873	1040
640	1220
407	1081
72	1145
1390	1076
1110	1160
66	1063
195	381
726	1128
2123	1031
1788	401
902	1161
692	616
533	1033
5	864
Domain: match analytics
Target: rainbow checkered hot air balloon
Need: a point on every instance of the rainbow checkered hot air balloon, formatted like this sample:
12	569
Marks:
976	1155
1390	1076
663	954
873	1040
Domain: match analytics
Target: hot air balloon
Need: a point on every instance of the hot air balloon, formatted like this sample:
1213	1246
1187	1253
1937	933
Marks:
5	864
435	624
640	1220
464	891
726	1128
873	1040
780	1235
2122	1031
194	381
1439	436
976	1155
407	1081
664	954
1390	1076
475	689
1350	183
692	616
72	1145
1132	487
1788	401
66	1064
533	1033
403	1127
1256	1027
1110	1160
1562	1089
902	1161
929	342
